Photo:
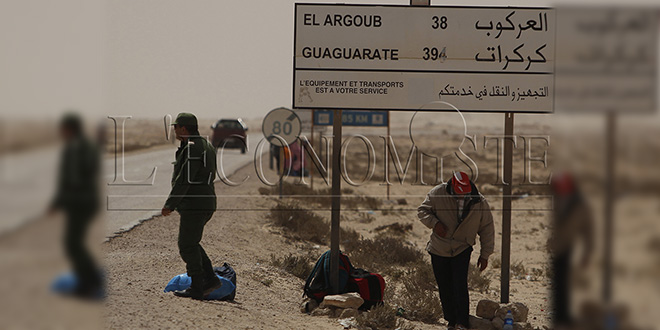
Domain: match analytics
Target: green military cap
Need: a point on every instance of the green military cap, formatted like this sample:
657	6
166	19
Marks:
185	118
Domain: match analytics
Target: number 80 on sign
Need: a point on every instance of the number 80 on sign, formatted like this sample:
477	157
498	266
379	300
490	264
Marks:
281	123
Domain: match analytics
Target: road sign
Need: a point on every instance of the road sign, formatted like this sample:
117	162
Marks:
352	118
489	59
281	122
607	60
305	116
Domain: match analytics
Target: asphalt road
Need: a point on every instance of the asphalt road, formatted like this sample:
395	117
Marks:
28	184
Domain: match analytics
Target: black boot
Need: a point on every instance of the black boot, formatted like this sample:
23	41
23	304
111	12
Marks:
195	290
211	284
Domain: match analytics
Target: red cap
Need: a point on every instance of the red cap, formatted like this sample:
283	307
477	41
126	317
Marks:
461	183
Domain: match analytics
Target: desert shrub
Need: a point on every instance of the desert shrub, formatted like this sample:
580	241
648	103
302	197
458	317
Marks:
395	229
496	263
303	224
381	253
381	317
518	269
299	266
477	280
299	223
263	191
322	196
364	217
267	282
538	272
418	296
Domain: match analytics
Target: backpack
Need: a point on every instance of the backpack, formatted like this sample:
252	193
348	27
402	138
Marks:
227	272
370	286
318	285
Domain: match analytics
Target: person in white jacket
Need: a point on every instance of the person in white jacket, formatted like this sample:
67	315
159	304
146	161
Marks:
456	213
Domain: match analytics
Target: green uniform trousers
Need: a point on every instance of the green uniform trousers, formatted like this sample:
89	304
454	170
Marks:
77	224
191	228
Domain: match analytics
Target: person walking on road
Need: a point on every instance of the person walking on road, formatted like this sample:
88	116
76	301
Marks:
193	196
456	212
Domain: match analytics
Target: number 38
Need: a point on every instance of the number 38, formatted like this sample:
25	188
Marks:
439	22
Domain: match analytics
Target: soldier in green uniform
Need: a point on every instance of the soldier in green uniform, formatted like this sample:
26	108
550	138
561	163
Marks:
77	196
193	196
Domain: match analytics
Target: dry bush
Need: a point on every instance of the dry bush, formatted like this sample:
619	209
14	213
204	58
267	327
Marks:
365	217
394	229
381	317
496	263
518	269
303	224
477	280
322	197
538	272
381	253
263	191
299	266
419	295
299	223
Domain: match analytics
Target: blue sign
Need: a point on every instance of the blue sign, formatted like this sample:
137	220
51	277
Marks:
352	118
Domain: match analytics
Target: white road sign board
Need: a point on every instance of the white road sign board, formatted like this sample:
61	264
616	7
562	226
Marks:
607	60
363	57
283	123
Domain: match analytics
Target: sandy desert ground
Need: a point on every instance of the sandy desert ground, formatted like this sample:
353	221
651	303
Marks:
140	262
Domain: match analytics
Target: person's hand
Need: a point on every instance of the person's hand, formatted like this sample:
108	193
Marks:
482	263
165	211
440	229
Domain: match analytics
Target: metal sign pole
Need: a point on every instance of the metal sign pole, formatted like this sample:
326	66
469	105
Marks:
311	168
336	200
388	136
281	168
506	207
609	206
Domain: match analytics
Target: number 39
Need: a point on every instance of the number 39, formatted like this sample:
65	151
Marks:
439	22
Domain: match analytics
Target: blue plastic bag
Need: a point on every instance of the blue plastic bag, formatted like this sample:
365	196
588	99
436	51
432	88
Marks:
183	281
65	283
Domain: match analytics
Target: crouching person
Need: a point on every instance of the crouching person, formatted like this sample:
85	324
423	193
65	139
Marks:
456	213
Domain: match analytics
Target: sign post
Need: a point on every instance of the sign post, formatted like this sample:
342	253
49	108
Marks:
336	201
506	207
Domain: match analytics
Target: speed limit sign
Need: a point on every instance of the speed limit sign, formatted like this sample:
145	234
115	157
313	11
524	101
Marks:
279	125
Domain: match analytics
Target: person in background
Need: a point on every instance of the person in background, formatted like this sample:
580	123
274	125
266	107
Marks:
193	196
572	223
77	195
456	212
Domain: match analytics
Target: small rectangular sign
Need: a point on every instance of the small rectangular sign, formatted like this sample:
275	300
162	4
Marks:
362	57
352	118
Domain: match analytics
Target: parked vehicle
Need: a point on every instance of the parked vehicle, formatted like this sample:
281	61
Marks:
230	133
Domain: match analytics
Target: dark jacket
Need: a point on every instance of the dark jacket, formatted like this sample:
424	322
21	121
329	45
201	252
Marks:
193	176
78	176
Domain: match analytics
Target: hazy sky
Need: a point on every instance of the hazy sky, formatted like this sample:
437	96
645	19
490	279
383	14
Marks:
147	58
